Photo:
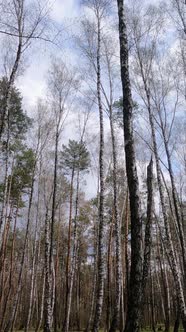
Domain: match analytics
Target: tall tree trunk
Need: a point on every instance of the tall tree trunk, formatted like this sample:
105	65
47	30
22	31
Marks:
74	258
101	253
90	320
48	281
6	185
51	261
115	319
126	255
167	302
49	231
42	305
109	263
33	260
135	288
152	305
166	293
54	195
78	292
69	246
56	274
148	227
4	250
161	295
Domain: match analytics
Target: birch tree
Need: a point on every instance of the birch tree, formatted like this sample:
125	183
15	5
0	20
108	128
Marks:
22	23
99	9
135	291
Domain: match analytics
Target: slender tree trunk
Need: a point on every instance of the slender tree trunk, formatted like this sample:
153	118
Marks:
33	262
109	263
69	246
167	303
148	227
152	303
161	296
101	253
6	185
135	288
41	306
48	281
56	274
117	300
177	322
90	320
51	262
53	279
4	250
126	255
115	319
166	296
54	195
78	293
74	258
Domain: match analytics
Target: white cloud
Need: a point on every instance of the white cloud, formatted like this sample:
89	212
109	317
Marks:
63	9
32	83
